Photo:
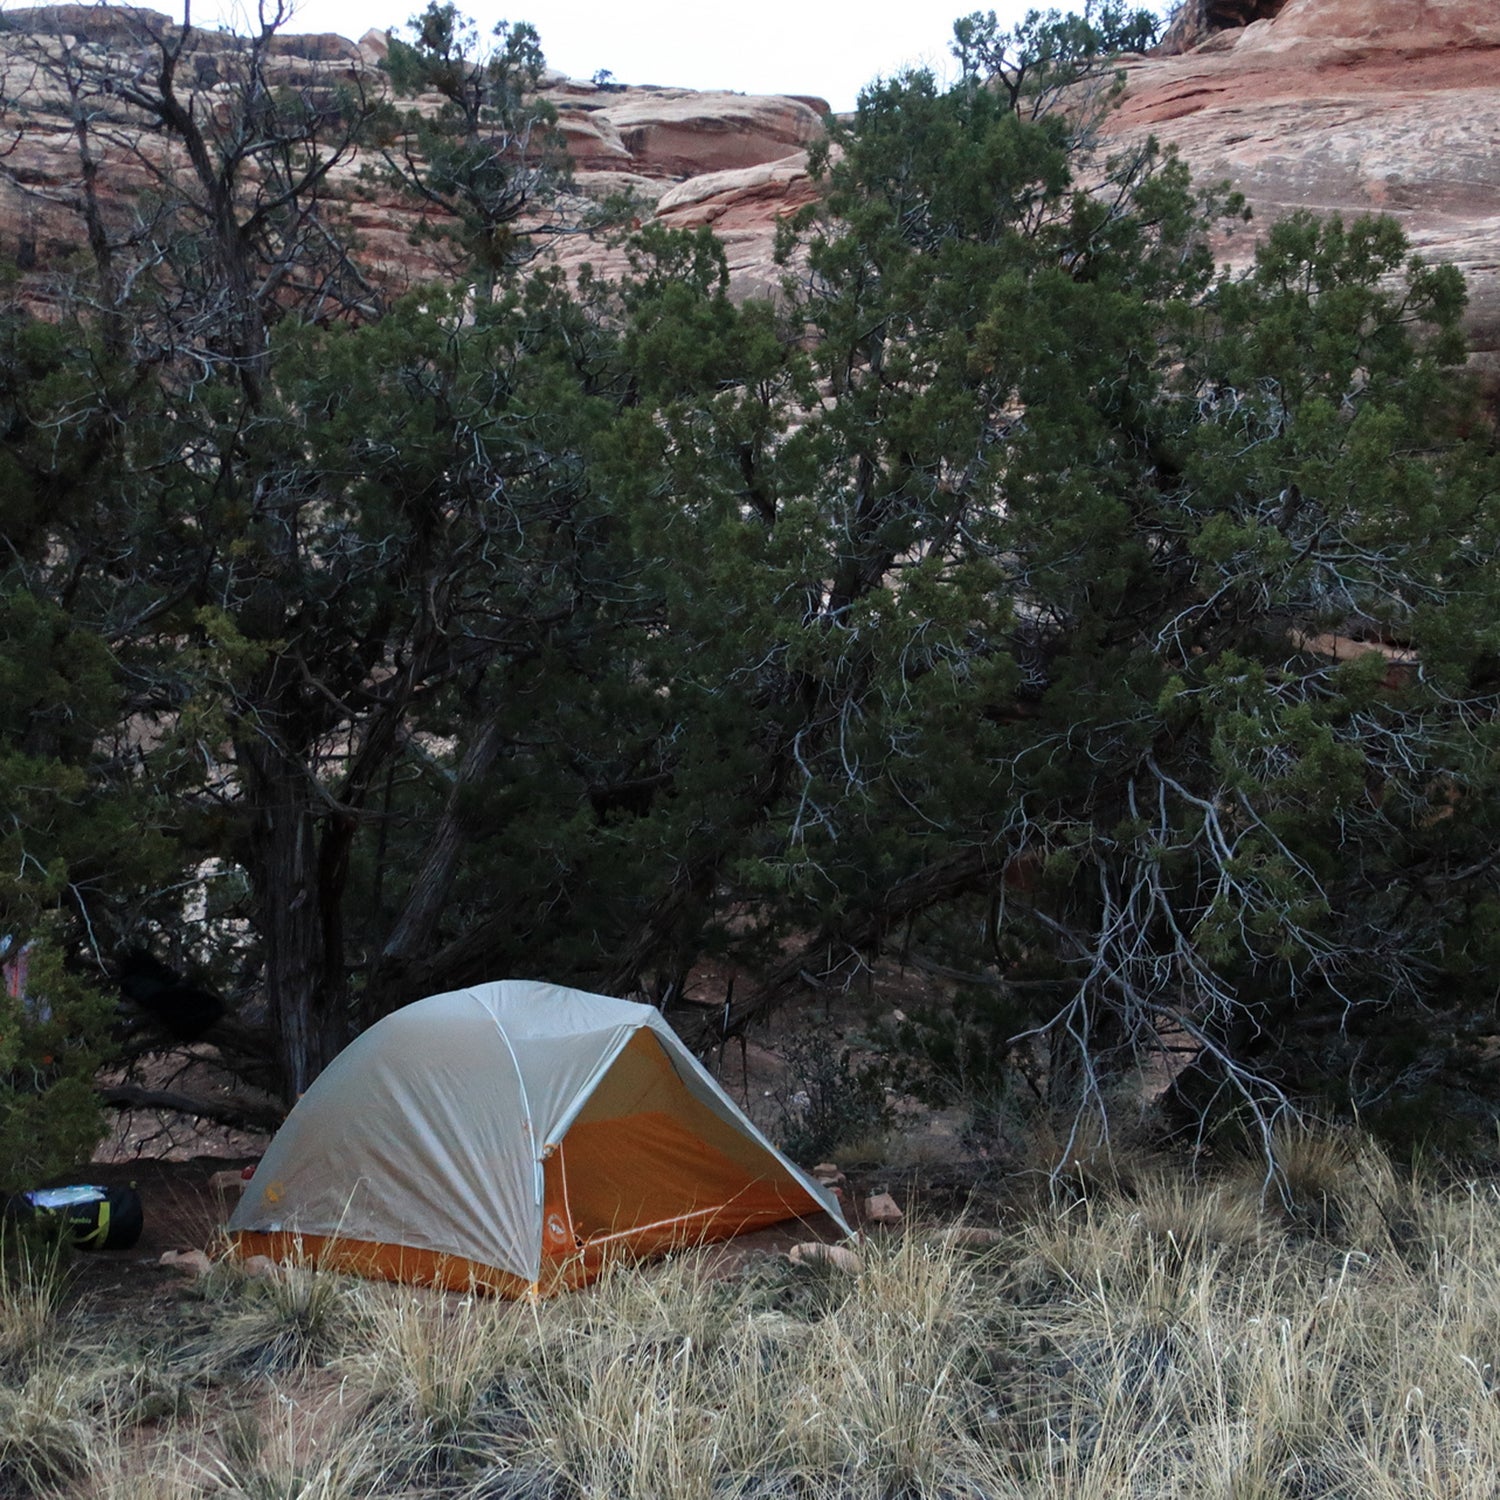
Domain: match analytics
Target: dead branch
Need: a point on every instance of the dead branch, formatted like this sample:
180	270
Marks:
234	1110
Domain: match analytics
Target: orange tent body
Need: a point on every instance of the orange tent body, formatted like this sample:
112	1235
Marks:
514	1137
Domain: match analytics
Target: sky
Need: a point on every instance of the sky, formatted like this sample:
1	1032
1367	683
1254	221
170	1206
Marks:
829	48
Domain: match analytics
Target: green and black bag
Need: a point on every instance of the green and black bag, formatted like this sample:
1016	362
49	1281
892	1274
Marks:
90	1217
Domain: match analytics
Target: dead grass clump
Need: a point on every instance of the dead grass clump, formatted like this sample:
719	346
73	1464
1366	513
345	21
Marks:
78	1418
1337	1185
1128	1249
436	1367
635	1389
125	1388
133	1457
1180	1362
881	1400
33	1280
44	1428
636	1427
289	1320
1074	1160
283	1450
1189	1219
1331	1183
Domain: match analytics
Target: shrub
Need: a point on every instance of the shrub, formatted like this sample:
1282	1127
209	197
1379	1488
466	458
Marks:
834	1100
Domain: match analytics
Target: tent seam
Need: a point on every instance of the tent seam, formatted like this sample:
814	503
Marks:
537	1185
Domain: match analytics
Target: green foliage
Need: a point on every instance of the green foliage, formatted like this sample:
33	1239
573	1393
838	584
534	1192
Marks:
1049	53
1116	632
488	152
961	1050
51	1042
74	828
1132	503
833	1099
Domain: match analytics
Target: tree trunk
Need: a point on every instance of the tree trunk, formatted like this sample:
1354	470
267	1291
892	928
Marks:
298	894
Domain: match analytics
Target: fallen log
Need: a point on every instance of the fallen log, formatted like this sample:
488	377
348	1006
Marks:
233	1110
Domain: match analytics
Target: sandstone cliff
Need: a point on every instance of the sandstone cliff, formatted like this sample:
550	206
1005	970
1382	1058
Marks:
1347	105
732	160
1354	106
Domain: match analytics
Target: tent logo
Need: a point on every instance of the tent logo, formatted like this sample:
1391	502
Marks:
557	1231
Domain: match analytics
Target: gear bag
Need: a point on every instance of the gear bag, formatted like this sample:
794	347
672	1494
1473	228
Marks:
92	1218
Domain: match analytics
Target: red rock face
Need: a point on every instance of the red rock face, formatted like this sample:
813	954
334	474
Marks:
733	161
1349	106
745	152
1196	20
1334	105
677	133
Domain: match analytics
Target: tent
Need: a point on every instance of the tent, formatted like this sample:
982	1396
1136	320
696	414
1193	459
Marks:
515	1136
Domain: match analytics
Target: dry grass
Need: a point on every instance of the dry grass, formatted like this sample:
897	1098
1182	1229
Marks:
1177	1339
32	1283
294	1320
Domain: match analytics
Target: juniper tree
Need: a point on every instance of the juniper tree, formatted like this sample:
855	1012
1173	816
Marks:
228	222
488	153
1094	528
79	824
1018	592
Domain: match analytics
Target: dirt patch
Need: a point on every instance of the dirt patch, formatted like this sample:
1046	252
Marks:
182	1210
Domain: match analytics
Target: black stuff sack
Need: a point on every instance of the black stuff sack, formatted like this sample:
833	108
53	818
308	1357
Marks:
90	1217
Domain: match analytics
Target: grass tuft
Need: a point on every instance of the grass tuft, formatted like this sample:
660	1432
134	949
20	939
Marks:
437	1368
33	1280
288	1321
293	1453
44	1429
1181	1338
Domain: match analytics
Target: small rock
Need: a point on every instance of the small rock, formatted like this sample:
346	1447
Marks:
814	1253
194	1262
972	1237
258	1266
881	1208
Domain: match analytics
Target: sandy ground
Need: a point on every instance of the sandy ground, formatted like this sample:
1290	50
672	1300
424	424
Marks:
181	1210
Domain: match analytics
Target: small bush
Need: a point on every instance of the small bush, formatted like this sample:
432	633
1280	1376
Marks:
834	1100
